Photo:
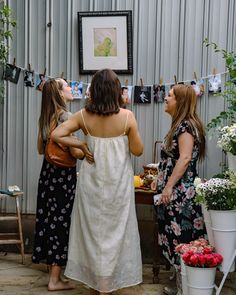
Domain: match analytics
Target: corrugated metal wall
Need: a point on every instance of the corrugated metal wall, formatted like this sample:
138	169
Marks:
167	41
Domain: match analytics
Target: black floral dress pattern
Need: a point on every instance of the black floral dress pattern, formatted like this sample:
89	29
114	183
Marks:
56	191
181	221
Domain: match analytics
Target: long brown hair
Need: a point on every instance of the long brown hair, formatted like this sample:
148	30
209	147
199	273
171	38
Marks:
51	106
105	93
186	110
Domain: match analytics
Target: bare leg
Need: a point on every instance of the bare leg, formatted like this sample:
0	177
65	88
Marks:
55	281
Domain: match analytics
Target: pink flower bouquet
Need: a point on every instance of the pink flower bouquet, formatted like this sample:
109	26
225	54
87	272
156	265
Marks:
195	246
199	253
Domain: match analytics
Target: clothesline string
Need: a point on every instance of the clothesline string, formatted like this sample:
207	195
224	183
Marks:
167	84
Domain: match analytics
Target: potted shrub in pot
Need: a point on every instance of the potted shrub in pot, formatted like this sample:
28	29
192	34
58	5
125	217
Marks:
219	197
196	246
201	263
227	142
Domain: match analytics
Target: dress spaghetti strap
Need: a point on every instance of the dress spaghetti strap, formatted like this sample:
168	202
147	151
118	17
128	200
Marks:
126	123
84	122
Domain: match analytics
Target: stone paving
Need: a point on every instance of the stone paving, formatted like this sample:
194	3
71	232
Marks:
31	279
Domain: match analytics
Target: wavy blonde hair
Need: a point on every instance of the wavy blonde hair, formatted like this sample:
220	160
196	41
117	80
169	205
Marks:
186	110
51	106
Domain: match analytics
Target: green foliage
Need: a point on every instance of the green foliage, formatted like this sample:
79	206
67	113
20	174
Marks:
6	24
229	93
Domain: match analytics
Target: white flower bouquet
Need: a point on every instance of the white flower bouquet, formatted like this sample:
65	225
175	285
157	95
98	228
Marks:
217	193
227	140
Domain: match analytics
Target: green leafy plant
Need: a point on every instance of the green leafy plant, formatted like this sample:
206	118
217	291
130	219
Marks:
217	193
229	93
6	24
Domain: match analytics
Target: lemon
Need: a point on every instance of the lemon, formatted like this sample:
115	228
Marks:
137	181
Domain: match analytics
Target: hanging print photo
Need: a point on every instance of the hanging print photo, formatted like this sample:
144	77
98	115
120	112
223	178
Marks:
198	86
11	73
29	78
158	93
142	94
41	79
77	89
214	83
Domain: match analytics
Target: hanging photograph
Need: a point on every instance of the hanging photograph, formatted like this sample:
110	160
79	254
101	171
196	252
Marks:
41	79
214	83
29	78
158	93
198	86
105	41
142	94
11	73
77	89
126	94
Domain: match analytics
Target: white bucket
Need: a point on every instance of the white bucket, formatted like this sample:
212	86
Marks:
224	230
200	280
184	278
207	220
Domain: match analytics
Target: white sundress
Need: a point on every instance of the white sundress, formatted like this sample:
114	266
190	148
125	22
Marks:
104	245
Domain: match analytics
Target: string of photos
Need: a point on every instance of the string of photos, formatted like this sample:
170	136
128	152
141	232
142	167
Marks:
141	94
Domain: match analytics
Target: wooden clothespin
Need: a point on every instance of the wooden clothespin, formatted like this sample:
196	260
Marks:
126	82
44	73
141	82
214	71
62	75
14	62
195	76
29	66
161	81
175	79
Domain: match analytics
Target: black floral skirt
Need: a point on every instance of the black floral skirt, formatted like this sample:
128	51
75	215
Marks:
56	191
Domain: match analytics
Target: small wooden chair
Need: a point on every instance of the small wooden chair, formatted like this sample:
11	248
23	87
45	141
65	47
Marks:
13	238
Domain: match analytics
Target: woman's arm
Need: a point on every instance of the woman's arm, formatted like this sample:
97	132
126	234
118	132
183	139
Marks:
185	142
62	135
135	141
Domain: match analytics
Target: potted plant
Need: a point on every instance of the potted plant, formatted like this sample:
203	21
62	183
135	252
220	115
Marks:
219	197
198	262
201	269
227	142
217	193
196	246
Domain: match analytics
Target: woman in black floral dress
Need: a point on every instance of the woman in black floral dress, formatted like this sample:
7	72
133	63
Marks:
180	219
56	189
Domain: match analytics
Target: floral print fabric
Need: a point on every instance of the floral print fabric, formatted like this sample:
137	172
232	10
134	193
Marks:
181	221
56	192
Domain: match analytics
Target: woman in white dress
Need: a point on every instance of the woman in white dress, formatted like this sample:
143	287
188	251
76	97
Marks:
104	247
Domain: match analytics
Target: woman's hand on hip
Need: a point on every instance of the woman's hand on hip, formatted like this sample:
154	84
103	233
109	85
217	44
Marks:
88	155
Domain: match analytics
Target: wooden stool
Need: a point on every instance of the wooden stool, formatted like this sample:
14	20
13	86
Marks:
13	238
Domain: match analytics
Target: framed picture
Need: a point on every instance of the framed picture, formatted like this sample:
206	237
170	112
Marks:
105	41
